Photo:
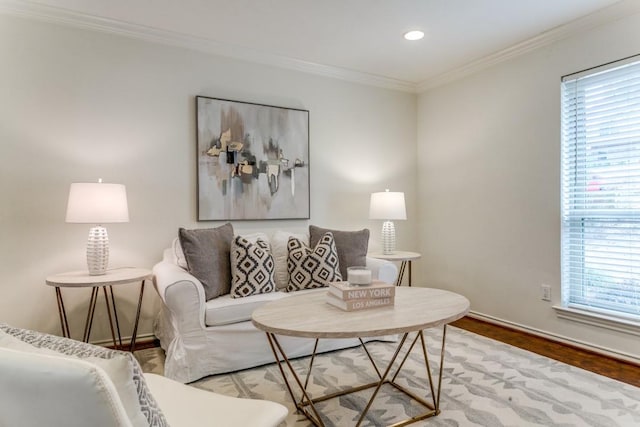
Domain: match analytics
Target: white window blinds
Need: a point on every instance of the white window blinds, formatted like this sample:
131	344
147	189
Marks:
601	189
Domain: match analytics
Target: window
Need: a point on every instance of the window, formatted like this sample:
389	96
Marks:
601	191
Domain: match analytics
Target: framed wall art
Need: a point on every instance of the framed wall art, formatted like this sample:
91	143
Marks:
252	161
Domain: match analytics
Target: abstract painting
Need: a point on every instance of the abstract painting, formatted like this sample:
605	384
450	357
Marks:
252	161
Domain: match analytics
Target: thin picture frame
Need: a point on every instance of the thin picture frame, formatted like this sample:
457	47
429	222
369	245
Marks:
252	161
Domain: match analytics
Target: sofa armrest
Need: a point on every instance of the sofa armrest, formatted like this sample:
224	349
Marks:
382	270
181	293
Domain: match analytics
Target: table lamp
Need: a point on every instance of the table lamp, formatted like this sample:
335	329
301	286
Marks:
97	203
387	205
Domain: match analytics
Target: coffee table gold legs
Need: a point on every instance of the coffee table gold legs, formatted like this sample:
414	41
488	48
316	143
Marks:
383	379
273	341
306	401
366	350
444	337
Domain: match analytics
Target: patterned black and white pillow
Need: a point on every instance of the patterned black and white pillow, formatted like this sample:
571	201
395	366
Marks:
309	269
252	268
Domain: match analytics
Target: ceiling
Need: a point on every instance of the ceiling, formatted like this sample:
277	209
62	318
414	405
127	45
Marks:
357	40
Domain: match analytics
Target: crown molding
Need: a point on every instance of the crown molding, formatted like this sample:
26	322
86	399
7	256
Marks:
71	18
56	15
604	16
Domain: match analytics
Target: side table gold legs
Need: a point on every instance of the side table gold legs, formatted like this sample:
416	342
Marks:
306	403
403	267
115	316
63	314
134	334
112	313
403	257
92	308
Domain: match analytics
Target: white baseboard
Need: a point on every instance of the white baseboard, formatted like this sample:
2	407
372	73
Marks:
559	338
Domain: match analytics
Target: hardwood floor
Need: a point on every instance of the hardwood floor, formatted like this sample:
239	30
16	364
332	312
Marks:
613	368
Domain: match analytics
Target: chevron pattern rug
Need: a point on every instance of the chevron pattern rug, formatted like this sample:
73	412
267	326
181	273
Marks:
485	383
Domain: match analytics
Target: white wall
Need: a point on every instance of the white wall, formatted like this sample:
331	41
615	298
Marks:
78	105
489	183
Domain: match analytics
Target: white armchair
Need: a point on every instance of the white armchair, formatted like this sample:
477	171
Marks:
54	381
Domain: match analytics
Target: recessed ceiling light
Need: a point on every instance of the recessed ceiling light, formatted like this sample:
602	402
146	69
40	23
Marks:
414	35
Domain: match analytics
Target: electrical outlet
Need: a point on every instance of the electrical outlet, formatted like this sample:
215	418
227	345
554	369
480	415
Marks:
546	292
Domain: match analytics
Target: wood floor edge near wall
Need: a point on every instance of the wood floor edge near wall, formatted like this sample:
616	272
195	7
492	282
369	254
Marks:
618	369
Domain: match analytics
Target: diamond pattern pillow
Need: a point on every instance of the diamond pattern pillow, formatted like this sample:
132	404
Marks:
252	268
351	245
309	269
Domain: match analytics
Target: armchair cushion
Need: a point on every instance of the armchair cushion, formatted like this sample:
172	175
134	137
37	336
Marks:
352	246
40	389
186	406
207	253
123	370
58	382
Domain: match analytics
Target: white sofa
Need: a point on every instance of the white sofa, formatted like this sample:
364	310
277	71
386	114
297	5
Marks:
202	338
58	382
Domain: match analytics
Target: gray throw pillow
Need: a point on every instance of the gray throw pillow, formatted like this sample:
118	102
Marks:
207	253
352	246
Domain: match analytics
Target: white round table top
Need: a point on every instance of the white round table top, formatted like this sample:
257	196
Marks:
82	279
396	256
310	316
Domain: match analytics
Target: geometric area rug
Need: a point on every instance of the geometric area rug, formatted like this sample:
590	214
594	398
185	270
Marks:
485	383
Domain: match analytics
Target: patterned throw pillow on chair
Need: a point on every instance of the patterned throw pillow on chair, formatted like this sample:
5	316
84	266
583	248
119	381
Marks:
309	269
252	268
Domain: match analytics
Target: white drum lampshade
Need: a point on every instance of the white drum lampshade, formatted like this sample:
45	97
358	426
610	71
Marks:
97	203
388	206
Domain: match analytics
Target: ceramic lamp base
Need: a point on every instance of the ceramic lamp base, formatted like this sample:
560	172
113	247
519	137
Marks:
388	238
97	251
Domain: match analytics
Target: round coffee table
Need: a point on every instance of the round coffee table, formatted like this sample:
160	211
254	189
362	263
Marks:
309	316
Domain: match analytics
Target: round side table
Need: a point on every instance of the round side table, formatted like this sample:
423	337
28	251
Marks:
113	277
403	256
